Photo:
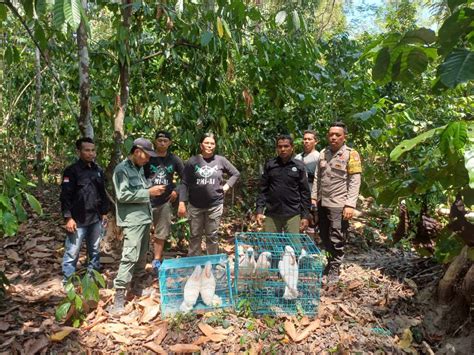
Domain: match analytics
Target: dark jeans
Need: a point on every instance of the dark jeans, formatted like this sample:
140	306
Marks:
333	233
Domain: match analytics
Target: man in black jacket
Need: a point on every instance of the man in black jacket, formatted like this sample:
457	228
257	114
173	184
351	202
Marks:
284	192
84	206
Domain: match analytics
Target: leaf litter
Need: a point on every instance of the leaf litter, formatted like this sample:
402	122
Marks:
379	304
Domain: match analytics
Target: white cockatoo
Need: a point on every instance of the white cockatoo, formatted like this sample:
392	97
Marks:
263	262
247	264
191	290
288	268
263	265
208	287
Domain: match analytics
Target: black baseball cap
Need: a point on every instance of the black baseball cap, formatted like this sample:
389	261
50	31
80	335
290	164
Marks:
163	134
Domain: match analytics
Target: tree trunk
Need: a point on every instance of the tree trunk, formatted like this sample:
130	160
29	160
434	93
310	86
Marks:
121	100
84	120
38	118
446	285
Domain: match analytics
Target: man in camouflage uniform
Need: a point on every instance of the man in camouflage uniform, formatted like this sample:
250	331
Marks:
134	215
335	191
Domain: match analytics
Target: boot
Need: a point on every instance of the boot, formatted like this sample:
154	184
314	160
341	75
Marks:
119	302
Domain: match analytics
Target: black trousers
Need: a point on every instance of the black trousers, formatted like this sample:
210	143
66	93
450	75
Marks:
333	233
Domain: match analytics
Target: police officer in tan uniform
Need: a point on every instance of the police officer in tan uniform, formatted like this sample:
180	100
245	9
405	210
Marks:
335	191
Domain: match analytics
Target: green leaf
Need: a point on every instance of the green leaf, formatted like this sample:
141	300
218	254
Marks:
452	4
296	20
3	12
5	202
40	36
382	62
72	13
469	154
453	138
227	29
220	28
469	163
19	210
28	7
58	14
9	224
206	37
78	303
99	278
454	29
34	204
62	310
364	116
280	17
409	144
420	35
457	68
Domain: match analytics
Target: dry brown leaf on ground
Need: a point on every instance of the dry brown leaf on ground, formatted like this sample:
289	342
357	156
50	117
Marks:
95	322
64	332
347	311
308	330
304	321
201	340
159	333
40	255
290	330
32	346
155	348
12	255
211	333
256	349
354	284
184	348
120	338
4	325
149	313
225	331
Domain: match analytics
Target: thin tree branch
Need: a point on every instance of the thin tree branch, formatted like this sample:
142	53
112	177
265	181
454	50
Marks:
45	58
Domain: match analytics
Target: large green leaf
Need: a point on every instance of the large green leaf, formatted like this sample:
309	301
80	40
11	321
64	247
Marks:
58	14
409	144
62	310
280	17
454	28
457	68
34	203
469	154
452	4
420	35
72	13
3	12
9	224
453	138
206	37
382	63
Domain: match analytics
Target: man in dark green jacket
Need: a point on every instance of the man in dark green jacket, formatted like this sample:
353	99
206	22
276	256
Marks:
134	215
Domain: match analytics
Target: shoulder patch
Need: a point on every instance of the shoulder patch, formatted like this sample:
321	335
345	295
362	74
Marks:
354	166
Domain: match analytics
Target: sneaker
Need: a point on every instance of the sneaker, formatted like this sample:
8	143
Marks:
156	265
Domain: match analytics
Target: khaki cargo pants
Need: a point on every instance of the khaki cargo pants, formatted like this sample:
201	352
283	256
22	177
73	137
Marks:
204	222
135	247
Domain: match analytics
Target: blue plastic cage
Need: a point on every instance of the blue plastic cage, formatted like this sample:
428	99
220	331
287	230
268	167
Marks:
277	282
174	273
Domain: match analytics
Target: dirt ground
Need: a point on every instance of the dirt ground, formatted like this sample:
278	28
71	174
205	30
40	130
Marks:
384	303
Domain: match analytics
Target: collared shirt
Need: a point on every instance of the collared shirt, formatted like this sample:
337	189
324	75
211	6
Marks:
203	180
133	197
337	182
284	189
160	171
83	195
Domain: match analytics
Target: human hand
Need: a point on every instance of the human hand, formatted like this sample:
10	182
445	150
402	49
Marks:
71	225
172	196
304	224
347	213
260	218
225	187
156	190
105	221
182	209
